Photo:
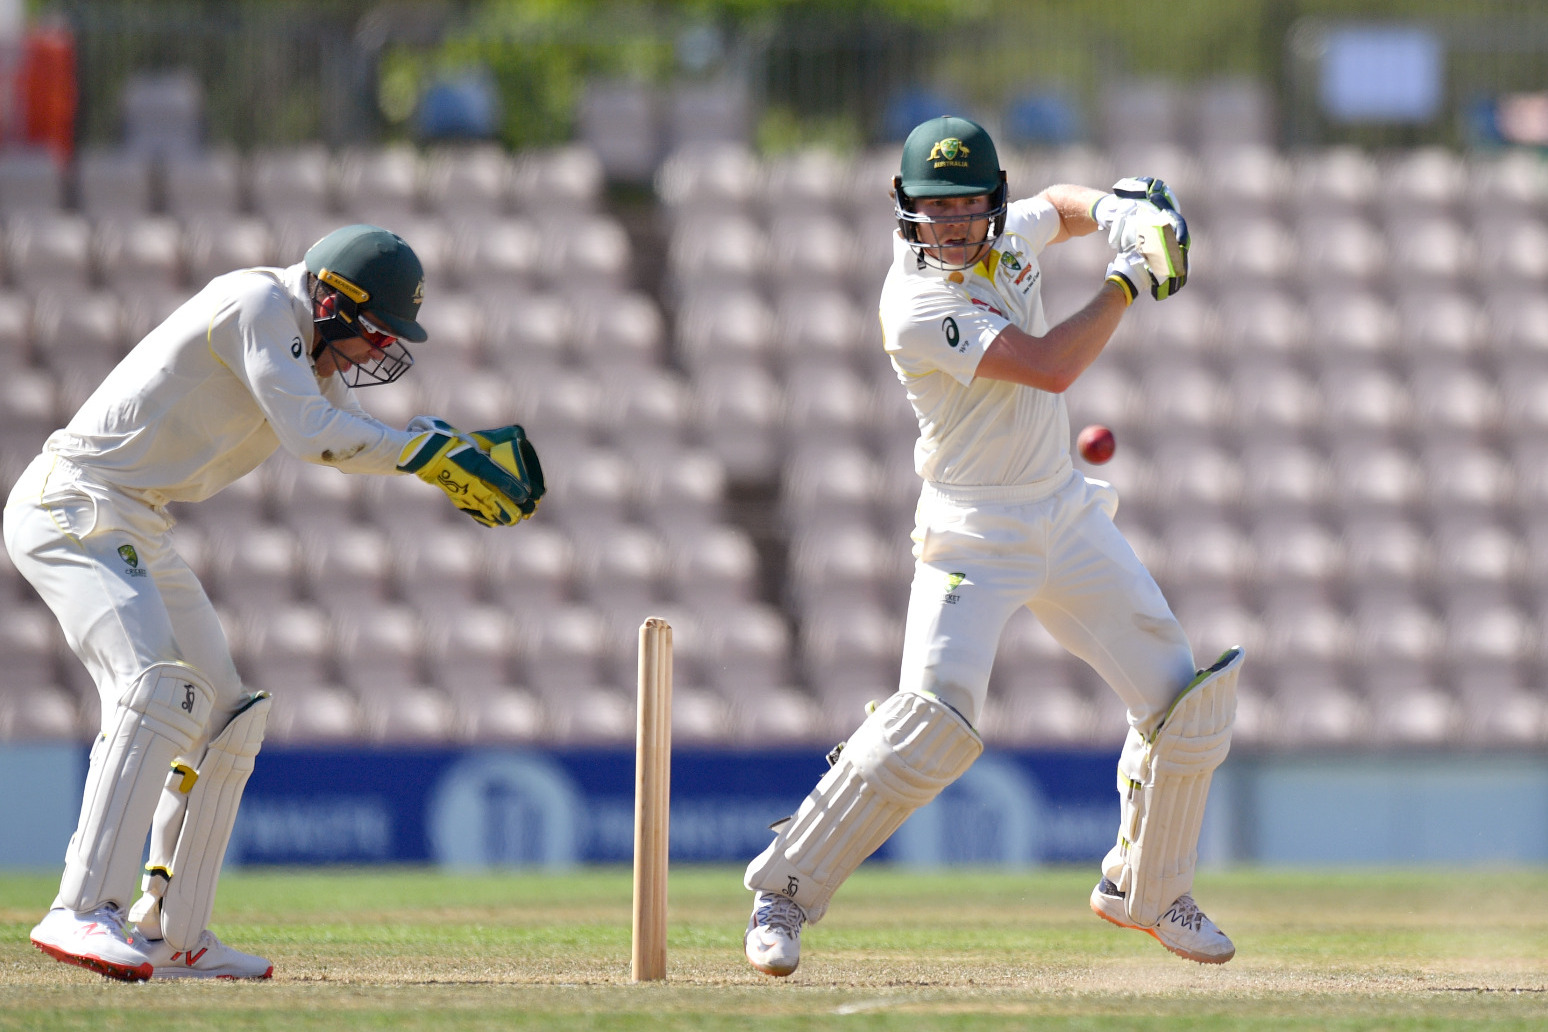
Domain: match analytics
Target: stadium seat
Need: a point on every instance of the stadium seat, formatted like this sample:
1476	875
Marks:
203	184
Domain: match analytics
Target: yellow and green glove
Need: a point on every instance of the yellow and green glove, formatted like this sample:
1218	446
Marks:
496	492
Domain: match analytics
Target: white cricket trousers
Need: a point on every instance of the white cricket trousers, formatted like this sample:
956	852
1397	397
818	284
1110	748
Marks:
104	563
981	553
67	535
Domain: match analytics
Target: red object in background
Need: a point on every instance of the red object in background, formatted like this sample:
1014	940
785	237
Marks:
46	93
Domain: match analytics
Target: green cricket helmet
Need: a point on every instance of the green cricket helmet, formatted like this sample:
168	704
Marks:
367	282
949	157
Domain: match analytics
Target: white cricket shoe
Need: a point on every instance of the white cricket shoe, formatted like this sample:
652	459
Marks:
1184	929
97	941
211	958
773	939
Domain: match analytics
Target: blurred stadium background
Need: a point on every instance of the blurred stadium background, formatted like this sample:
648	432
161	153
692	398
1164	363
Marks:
654	234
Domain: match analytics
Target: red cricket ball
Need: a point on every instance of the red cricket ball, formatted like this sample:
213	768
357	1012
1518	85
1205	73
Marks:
1096	444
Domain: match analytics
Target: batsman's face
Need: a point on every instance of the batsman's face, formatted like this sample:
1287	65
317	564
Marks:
958	230
340	355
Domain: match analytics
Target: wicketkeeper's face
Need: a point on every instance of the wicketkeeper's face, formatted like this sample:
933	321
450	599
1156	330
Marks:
958	230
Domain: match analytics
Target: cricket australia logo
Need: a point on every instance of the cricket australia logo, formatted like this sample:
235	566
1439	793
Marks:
131	560
953	582
949	151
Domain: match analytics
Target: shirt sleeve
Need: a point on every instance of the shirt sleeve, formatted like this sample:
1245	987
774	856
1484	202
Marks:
939	329
1035	219
258	339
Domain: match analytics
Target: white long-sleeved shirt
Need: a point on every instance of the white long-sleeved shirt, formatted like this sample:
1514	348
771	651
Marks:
214	390
936	326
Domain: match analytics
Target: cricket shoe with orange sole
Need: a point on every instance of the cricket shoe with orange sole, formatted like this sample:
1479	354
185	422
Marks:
209	958
773	939
98	940
1184	929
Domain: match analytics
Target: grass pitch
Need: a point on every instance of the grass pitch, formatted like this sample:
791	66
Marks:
900	950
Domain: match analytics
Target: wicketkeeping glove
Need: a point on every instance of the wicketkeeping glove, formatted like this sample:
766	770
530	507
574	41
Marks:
1159	231
508	448
453	461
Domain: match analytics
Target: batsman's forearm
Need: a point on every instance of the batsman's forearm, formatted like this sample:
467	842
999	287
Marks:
1053	362
1074	204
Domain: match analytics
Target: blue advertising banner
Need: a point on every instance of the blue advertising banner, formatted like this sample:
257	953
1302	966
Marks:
472	809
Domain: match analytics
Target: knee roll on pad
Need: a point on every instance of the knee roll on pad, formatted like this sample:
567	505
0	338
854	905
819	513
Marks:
909	749
155	720
1164	783
185	861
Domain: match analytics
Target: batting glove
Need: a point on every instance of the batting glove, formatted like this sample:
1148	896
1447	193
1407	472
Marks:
1159	232
1128	270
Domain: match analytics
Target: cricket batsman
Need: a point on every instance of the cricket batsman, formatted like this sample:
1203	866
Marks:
1004	521
260	359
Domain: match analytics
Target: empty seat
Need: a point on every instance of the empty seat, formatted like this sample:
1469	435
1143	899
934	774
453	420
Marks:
1183	395
1429	178
750	647
1376	476
596	252
716	566
293	179
1341	176
534	569
623	331
1252	247
346	567
1284	476
285	644
49	251
379	185
1428	250
861	648
467	181
1319	711
1337	250
1394	629
1291	551
1364	400
1477	551
311	714
716	254
410	714
216	244
1038	714
500	714
818	325
624	567
379	647
1264	319
206	183
1192	476
502	252
140	253
681	491
1513	249
1489	629
1414	714
561	411
826	405
471	649
562	650
591	492
566	178
717	176
810	246
1443	323
30	180
776	715
830	486
1463	478
739	410
1385	549
1203	552
591	715
843	563
446	571
644	412
1350	324
114	183
733	327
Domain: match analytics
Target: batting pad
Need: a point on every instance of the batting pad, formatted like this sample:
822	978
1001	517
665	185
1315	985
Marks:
187	880
909	749
153	722
1164	781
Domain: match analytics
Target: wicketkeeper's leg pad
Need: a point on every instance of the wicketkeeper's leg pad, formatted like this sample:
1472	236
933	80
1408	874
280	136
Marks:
185	858
1163	781
154	721
909	749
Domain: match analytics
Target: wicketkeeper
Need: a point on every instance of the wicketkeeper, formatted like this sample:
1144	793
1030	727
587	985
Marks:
259	359
1005	521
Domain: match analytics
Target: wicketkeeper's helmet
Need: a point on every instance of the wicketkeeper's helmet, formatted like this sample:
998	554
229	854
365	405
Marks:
949	157
367	282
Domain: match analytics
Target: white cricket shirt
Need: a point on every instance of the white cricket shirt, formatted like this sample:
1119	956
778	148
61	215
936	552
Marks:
213	390
937	325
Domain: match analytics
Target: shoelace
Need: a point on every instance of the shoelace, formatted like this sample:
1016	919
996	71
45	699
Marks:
1186	912
780	914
